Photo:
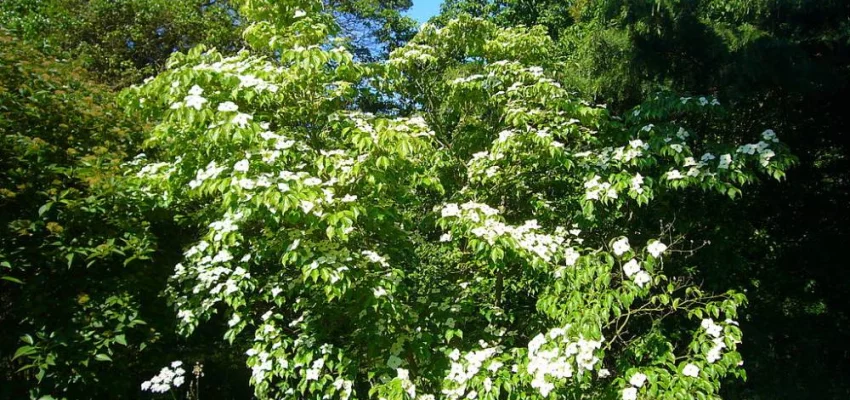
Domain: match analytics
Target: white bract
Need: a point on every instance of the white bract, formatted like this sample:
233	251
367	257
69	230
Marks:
166	379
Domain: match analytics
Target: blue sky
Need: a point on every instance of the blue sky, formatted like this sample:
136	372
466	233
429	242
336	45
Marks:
424	9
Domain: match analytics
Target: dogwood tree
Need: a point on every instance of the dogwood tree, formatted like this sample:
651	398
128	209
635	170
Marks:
470	242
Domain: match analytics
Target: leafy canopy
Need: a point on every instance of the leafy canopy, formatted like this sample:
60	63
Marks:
470	243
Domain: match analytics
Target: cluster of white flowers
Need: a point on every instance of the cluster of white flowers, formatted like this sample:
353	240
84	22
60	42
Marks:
194	99
762	147
406	384
264	361
632	268
463	80
410	54
703	101
343	386
153	170
465	367
715	331
633	271
251	81
211	171
556	360
637	381
621	154
315	370
166	379
490	229
593	189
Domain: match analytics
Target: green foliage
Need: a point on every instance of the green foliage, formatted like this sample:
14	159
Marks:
62	144
781	64
313	218
122	42
462	220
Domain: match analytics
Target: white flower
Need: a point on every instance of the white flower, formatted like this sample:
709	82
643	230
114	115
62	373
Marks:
711	328
638	379
674	174
604	373
488	384
348	198
195	101
451	210
636	182
241	119
642	278
196	90
691	370
769	135
306	206
379	291
630	394
570	256
656	248
228	106
446	237
299	14
242	166
312	181
725	160
621	246
632	267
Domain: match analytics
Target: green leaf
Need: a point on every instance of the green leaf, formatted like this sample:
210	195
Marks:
24	351
45	208
102	357
27	339
12	279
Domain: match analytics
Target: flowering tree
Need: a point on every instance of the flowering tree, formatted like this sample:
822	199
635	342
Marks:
473	242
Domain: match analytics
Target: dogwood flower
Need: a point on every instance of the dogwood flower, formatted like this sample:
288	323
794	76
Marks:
690	370
241	166
632	267
637	380
656	248
228	106
621	246
241	119
641	278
